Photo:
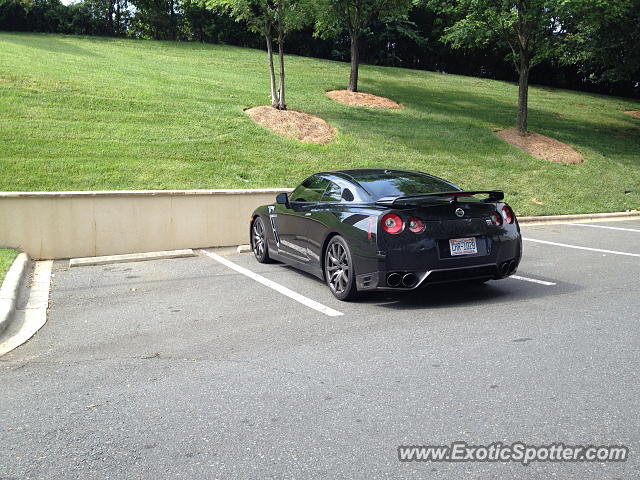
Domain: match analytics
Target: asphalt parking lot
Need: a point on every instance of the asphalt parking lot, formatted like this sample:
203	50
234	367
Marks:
187	368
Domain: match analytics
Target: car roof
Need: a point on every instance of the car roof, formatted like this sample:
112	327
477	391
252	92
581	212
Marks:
355	175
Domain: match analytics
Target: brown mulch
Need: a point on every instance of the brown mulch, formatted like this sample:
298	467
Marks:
542	147
361	99
633	113
292	123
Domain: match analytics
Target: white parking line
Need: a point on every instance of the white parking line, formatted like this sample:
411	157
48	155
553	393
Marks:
614	252
604	226
276	286
532	280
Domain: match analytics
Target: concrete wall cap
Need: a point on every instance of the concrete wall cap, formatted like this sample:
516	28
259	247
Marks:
140	193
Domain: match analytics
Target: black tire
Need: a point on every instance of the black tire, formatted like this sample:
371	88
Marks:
339	272
259	243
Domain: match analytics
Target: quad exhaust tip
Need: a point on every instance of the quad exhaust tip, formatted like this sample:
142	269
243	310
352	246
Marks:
507	268
409	280
394	279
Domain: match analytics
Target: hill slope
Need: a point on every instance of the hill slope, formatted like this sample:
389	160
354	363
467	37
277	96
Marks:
96	113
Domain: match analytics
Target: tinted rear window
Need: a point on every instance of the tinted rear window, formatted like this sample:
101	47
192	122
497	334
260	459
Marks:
396	184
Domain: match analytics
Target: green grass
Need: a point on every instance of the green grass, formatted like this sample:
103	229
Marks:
96	113
7	255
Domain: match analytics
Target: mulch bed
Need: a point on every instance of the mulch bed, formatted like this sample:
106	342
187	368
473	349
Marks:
542	147
361	99
633	113
292	123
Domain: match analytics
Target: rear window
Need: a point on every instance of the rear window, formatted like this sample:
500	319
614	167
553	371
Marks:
395	184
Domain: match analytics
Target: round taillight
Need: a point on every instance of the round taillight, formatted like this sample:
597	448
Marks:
416	225
496	219
392	223
507	214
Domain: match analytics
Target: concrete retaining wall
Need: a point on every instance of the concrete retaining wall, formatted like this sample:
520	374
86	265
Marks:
49	225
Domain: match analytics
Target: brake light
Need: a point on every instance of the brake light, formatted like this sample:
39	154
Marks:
416	225
507	214
496	219
392	223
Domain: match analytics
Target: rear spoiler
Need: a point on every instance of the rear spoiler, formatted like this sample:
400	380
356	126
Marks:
494	196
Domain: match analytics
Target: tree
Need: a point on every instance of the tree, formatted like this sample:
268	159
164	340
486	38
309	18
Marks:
273	19
603	39
157	19
354	16
529	29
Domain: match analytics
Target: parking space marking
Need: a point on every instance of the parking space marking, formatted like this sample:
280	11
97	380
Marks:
577	247
604	226
532	280
275	286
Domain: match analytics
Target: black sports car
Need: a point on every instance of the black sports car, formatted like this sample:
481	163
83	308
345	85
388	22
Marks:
364	230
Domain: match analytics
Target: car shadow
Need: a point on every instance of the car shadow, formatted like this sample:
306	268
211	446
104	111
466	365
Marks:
457	294
466	294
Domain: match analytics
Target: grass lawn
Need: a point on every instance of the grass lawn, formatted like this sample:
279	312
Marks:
96	113
7	255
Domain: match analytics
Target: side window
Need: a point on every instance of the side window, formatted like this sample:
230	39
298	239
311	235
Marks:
311	190
333	193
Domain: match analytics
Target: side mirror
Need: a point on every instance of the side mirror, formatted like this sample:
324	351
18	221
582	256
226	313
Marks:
282	199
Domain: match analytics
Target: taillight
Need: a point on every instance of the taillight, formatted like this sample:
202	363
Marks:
392	223
507	214
496	219
416	225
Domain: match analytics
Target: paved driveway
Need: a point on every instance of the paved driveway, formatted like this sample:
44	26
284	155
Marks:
187	368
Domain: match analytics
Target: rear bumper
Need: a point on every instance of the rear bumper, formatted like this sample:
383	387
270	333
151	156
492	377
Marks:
430	264
388	280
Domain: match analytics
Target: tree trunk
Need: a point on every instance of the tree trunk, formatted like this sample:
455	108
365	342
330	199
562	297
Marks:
272	72
172	13
523	94
118	18
110	18
281	103
355	60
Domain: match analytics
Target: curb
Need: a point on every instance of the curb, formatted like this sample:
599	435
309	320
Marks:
576	218
10	288
130	257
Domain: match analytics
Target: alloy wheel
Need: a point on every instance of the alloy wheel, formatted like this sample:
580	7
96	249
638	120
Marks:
338	268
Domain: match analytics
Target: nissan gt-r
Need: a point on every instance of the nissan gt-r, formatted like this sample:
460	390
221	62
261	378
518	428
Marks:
370	229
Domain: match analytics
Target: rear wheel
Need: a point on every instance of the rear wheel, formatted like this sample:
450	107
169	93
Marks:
259	241
338	269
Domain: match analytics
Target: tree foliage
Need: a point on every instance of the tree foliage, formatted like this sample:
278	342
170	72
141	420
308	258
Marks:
529	30
603	38
334	17
274	20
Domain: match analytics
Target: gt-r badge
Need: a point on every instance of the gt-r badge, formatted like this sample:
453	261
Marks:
459	212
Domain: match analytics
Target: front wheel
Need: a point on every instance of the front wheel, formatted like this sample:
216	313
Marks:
259	241
338	269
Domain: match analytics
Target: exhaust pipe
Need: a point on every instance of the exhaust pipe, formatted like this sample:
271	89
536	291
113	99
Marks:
409	280
394	279
512	266
504	269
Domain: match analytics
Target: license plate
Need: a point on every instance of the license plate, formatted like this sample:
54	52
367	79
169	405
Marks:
463	246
